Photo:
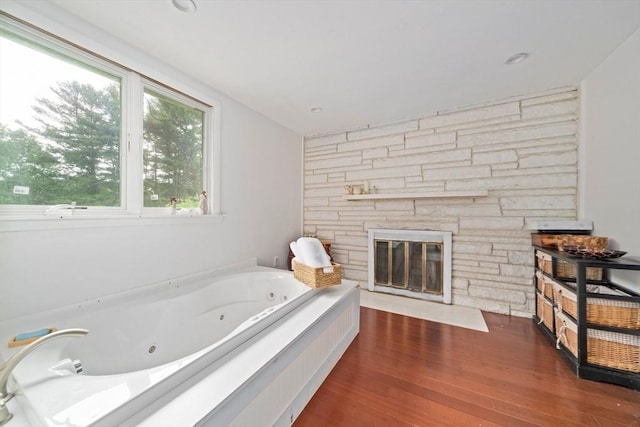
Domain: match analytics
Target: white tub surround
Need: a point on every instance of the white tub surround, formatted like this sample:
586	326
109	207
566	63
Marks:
412	263
270	381
483	173
147	346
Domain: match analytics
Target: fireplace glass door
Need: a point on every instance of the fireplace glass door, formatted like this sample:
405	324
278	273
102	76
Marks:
414	266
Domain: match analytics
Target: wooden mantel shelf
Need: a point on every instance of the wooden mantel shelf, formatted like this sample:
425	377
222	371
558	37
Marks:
433	195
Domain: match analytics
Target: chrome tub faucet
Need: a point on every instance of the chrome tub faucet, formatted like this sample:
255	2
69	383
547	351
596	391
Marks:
9	365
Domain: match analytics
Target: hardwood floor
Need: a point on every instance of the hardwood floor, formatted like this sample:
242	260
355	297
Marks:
402	371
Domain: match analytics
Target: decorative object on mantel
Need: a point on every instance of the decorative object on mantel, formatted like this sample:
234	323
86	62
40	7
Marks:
429	195
357	190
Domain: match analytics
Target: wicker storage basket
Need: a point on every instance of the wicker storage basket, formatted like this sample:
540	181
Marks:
549	241
613	350
591	242
557	293
556	241
544	262
568	302
544	311
544	285
603	311
539	305
604	348
566	332
315	277
568	270
622	314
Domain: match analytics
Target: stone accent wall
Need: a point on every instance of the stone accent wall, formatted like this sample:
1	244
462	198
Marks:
523	151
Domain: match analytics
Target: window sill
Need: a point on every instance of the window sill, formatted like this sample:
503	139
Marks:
60	222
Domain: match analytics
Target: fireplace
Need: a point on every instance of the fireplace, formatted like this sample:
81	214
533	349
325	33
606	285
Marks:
413	263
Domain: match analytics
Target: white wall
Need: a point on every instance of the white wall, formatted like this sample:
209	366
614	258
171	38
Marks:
610	138
260	190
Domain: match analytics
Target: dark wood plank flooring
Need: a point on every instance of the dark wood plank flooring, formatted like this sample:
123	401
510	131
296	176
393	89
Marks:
402	371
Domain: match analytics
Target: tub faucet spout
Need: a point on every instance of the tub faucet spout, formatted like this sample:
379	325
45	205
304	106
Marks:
9	365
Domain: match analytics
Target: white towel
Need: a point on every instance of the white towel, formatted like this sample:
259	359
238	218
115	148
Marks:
296	252
312	253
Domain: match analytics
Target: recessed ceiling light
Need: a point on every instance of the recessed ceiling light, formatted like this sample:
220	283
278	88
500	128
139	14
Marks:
187	6
518	57
316	110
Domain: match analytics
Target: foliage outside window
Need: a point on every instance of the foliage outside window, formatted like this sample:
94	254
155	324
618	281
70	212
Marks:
172	133
65	136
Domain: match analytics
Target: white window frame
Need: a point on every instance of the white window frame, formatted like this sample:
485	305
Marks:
137	199
25	217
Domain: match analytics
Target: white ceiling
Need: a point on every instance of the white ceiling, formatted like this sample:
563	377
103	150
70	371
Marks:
369	62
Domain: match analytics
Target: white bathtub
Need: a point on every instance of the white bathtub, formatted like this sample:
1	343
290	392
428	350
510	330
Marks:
149	349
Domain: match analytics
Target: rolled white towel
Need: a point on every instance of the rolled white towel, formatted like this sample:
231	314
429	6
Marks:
296	252
312	253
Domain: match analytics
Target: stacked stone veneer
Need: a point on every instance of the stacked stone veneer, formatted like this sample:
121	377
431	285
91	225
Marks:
523	151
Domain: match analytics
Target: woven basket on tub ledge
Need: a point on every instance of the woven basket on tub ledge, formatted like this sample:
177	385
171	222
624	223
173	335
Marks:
315	277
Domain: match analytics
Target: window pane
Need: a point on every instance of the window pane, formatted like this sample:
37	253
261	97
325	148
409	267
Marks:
60	127
173	152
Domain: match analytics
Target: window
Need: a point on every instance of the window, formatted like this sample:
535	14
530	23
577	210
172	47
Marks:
79	131
173	151
60	128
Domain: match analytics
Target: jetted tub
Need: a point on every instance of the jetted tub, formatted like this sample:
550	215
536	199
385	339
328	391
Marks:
149	348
